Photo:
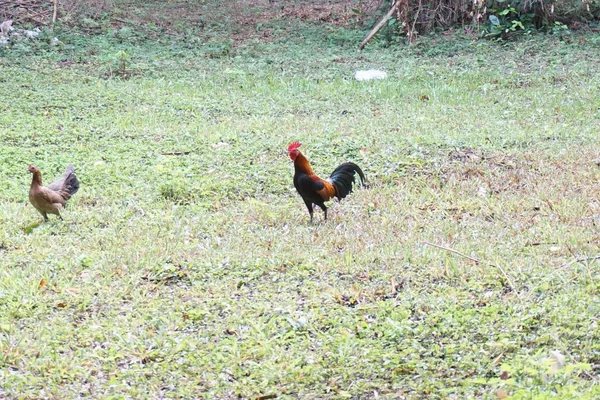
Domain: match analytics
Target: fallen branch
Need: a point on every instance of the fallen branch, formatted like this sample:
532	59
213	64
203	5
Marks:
379	25
580	260
533	244
477	261
125	21
575	260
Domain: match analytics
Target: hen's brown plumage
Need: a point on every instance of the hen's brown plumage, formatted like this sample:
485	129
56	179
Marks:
52	198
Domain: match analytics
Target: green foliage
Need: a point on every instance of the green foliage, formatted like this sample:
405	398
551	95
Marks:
344	37
558	28
218	48
122	58
542	372
186	266
509	21
502	19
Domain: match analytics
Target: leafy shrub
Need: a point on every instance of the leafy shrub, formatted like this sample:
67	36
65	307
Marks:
498	18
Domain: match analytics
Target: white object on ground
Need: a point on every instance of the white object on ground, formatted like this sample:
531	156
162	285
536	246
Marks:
369	75
219	145
32	34
558	360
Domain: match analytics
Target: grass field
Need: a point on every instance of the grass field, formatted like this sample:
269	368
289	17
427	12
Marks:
186	267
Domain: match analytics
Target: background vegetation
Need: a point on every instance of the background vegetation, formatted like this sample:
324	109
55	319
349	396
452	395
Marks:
411	19
422	16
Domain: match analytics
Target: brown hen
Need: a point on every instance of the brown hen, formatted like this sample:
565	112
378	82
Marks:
52	198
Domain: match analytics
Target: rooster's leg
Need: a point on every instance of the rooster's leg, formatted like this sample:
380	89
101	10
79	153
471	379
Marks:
324	208
310	209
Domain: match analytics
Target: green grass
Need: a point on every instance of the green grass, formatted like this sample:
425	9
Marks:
198	275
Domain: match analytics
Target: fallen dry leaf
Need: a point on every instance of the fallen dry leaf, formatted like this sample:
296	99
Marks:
497	359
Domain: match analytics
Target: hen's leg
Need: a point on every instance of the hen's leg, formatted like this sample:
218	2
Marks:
58	208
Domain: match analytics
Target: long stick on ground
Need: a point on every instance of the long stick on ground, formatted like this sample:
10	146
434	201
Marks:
379	25
475	260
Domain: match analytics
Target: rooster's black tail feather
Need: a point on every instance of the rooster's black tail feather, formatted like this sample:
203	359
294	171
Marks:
343	178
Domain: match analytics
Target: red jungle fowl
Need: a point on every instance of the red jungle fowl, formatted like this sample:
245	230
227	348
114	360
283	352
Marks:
52	198
316	191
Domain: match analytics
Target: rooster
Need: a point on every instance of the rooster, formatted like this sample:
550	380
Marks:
52	198
316	191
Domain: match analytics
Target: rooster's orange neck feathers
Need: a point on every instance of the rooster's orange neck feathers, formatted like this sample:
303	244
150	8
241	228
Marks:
303	165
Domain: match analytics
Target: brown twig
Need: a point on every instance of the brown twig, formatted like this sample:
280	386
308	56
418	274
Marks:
411	36
121	20
532	244
379	25
176	153
477	261
575	260
579	260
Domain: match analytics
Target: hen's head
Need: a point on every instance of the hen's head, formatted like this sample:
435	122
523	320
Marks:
293	150
33	169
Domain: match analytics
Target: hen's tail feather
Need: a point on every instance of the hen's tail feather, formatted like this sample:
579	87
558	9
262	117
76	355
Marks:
71	181
68	184
343	178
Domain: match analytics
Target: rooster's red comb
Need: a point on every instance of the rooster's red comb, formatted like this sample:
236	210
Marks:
294	146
